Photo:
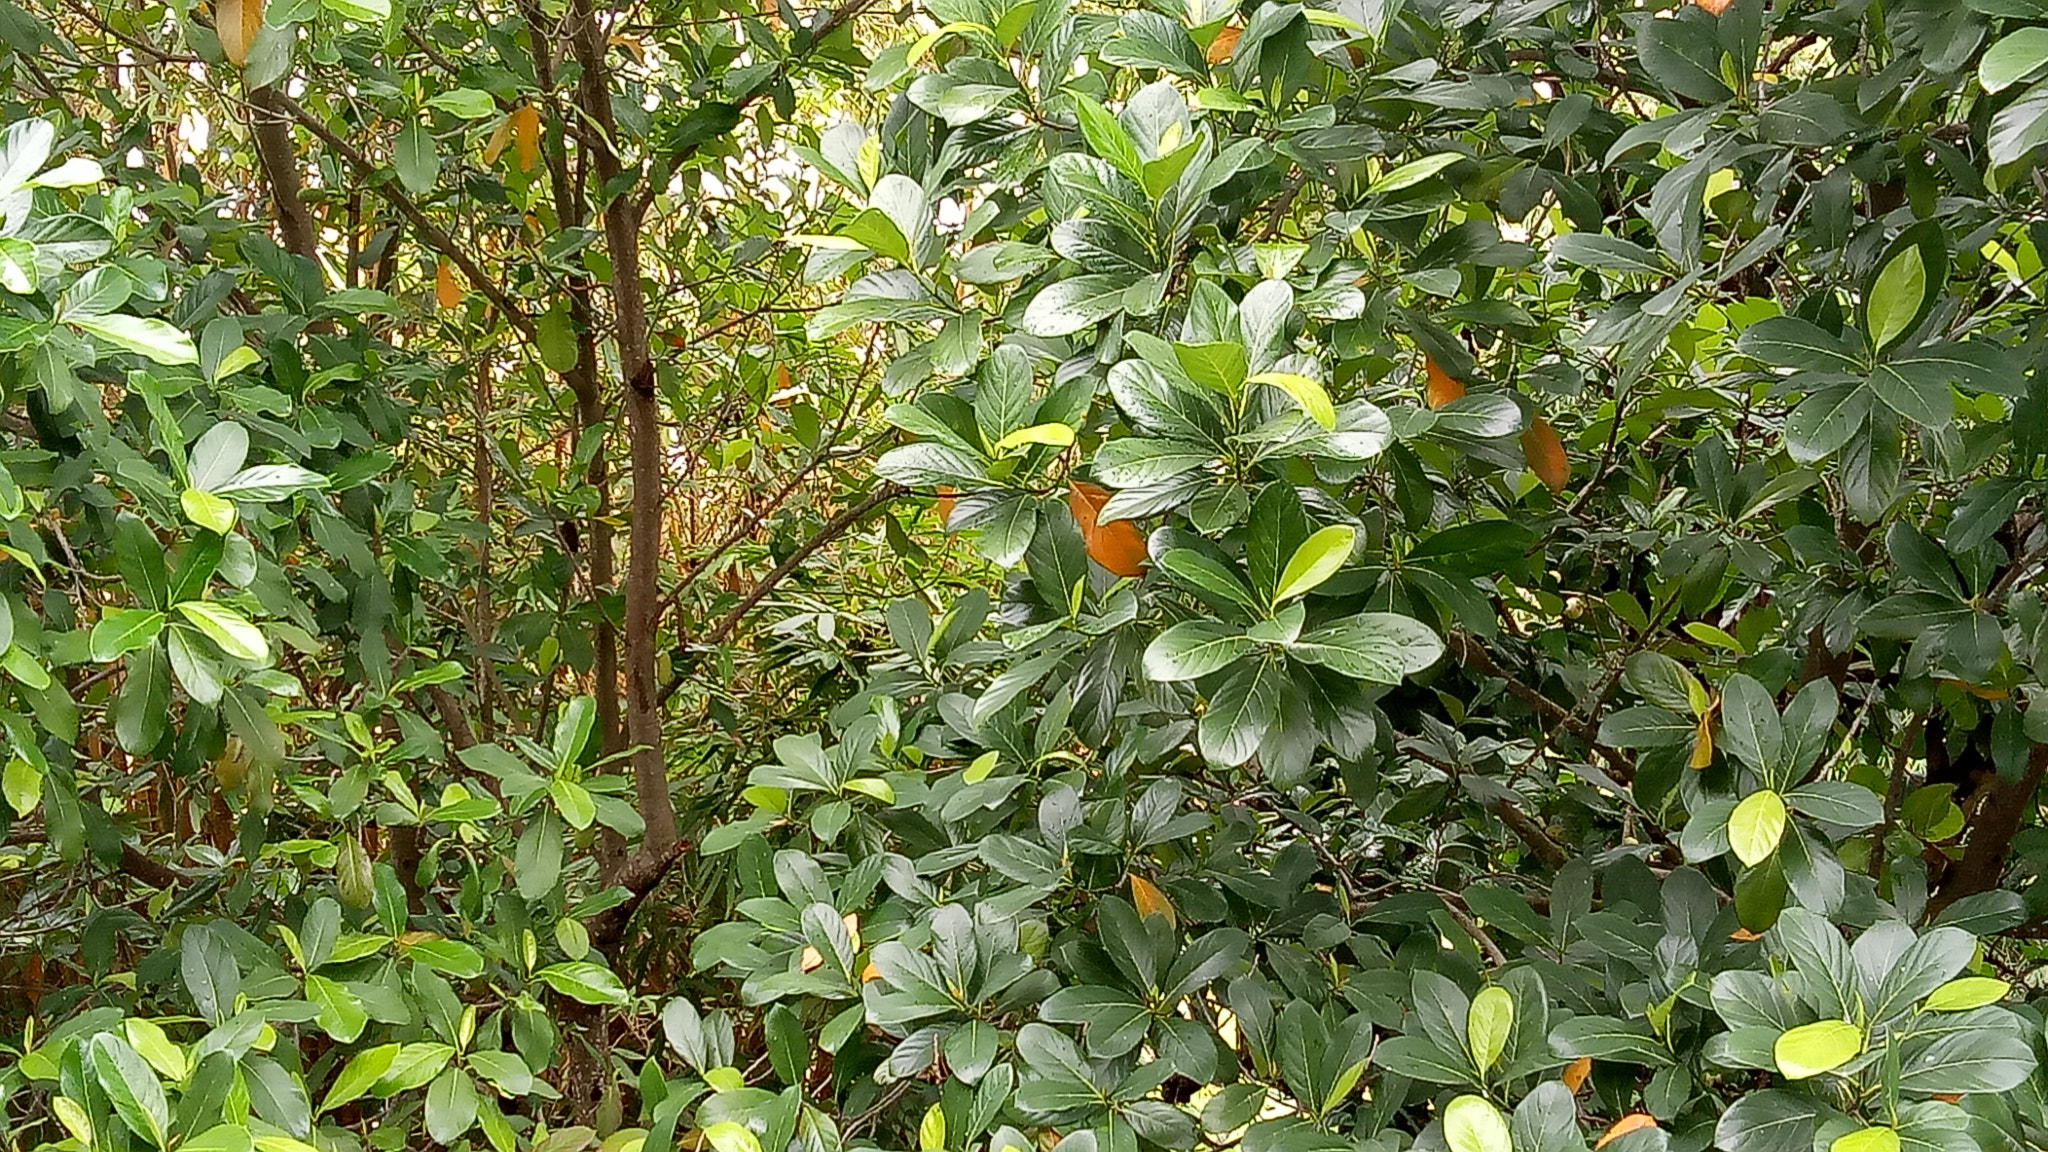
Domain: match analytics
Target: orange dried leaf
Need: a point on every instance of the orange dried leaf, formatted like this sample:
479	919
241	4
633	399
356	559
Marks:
1980	691
870	973
1544	449
1949	1097
1118	545
782	377
1626	1125
1575	1073
526	136
1703	743
945	504
1441	387
1225	44
1150	901
1745	936
811	958
236	22
1716	7
447	289
500	136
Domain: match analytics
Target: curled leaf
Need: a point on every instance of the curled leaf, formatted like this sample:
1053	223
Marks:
236	22
526	136
447	289
1544	449
1118	545
1150	901
1440	387
1224	46
1624	1126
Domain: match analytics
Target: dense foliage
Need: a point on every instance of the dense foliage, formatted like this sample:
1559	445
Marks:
1341	576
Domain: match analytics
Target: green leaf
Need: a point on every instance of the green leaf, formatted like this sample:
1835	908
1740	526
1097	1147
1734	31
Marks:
451	1105
1966	1062
1377	647
417	161
1107	138
1073	305
123	630
362	11
1196	648
468	103
1217	364
1606	1038
1895	296
227	628
157	340
1412	173
584	981
25	147
412	1066
1473	1125
1315	403
573	801
136	1093
729	1136
21	784
141	709
1811	1049
341	1013
1756	826
572	732
1966	993
1488	1024
1206	574
1315	561
1773	1120
2016	56
150	1042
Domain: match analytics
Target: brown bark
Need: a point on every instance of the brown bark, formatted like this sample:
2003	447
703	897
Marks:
483	621
643	432
591	409
1996	813
279	157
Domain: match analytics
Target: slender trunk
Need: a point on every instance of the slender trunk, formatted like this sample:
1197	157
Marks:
643	431
279	155
591	412
483	622
1997	813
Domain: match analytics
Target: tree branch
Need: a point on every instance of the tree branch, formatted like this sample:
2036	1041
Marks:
833	529
430	232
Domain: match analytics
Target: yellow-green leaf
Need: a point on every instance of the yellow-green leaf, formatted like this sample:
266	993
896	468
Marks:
1473	1125
1756	826
1318	559
1875	1139
1968	992
1052	435
1811	1049
208	511
1314	401
1488	1022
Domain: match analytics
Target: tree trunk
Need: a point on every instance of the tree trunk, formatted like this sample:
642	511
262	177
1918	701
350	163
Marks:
272	124
1996	814
643	431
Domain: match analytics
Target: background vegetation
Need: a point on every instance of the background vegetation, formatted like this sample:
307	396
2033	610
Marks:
986	576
